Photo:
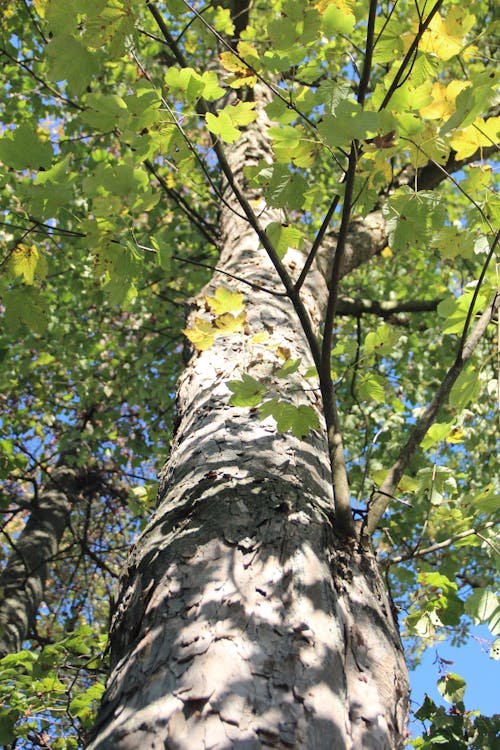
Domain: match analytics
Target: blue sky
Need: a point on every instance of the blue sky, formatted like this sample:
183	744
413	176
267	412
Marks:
472	662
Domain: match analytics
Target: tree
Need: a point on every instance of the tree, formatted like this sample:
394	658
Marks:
320	171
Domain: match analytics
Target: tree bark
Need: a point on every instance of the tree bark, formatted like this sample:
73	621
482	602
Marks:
242	619
23	579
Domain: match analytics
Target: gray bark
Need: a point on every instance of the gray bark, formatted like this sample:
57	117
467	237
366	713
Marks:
243	621
22	581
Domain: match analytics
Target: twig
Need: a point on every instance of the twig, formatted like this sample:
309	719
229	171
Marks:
381	500
441	545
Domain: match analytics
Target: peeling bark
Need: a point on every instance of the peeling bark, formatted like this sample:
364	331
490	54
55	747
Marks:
243	620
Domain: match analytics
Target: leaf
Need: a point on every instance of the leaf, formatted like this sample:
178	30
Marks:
71	61
349	122
299	419
452	687
229	323
23	149
290	366
483	605
436	434
224	300
25	306
242	66
338	18
201	335
28	262
283	236
105	111
246	392
466	389
371	387
286	189
222	125
381	341
445	36
481	133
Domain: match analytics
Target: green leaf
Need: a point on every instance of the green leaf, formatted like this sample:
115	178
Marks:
283	236
338	18
371	387
452	687
246	392
8	719
483	605
381	341
25	306
436	434
299	419
289	367
222	125
286	189
105	111
71	61
466	389
349	122
23	149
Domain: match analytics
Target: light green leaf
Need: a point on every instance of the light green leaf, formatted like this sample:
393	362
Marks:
246	392
283	236
299	419
289	367
483	605
381	341
452	687
371	387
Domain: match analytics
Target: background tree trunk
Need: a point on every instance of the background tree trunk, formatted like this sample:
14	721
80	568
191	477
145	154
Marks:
23	579
243	620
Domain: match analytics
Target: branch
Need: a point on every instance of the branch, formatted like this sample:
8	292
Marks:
442	545
193	216
343	512
432	175
409	55
382	497
43	83
386	308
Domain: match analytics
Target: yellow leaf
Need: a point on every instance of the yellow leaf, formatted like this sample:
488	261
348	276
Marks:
445	36
456	435
229	323
260	337
40	7
225	301
27	262
202	334
443	103
242	65
387	252
480	133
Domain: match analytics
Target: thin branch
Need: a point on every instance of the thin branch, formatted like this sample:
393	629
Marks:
386	308
427	418
194	217
251	284
43	83
317	242
343	512
367	63
442	545
409	55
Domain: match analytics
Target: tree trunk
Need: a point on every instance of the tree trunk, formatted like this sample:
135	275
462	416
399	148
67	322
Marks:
243	620
23	579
